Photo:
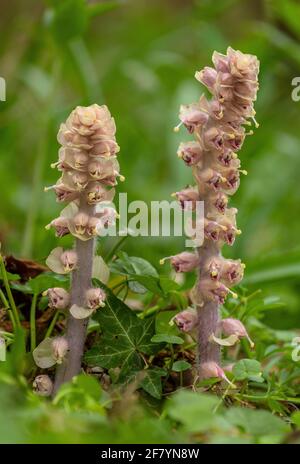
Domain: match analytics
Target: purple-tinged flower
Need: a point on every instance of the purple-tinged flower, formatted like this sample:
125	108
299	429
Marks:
192	116
235	327
95	298
183	262
59	298
207	77
188	198
60	225
190	152
211	369
186	320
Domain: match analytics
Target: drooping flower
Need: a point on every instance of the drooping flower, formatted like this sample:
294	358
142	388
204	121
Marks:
183	262
235	327
186	320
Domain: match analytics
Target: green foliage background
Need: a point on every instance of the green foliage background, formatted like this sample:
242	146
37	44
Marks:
139	57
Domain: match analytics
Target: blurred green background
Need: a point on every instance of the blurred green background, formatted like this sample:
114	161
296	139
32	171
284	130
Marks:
139	57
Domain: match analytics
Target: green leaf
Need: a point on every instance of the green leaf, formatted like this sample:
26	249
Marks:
180	366
193	410
256	422
46	280
151	382
124	338
83	392
166	338
143	276
249	369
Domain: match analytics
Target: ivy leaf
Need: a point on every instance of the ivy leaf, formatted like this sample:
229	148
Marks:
248	369
125	336
151	381
143	276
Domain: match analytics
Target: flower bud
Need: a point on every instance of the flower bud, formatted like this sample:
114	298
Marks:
186	320
95	297
43	385
59	298
60	348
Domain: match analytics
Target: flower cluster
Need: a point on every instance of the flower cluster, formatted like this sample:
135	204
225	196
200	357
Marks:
218	127
89	172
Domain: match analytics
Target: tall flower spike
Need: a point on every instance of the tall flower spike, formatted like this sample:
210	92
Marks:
218	128
88	170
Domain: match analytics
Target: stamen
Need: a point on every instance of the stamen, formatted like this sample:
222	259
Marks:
177	128
53	165
255	122
51	187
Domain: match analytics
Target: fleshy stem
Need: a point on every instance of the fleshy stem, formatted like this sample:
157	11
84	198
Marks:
77	328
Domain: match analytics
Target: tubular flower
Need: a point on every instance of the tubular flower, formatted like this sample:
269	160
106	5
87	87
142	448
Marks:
218	129
88	172
186	320
184	262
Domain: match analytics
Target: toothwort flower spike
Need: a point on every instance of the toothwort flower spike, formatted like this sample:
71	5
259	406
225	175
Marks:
218	128
88	167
